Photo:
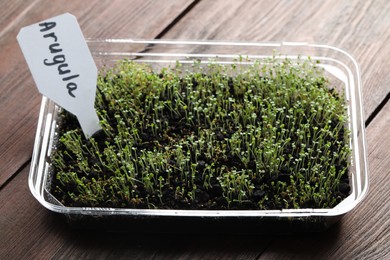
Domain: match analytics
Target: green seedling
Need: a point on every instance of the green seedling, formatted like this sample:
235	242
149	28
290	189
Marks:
268	135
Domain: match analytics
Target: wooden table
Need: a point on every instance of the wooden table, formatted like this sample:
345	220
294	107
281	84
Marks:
29	231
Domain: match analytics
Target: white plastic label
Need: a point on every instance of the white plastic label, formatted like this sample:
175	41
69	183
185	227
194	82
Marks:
62	66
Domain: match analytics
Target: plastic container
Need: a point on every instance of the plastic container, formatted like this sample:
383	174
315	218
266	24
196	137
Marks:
339	66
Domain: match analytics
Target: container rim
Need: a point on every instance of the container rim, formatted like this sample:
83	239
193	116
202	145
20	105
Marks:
45	130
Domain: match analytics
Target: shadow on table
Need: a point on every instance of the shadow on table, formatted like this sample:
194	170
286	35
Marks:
216	245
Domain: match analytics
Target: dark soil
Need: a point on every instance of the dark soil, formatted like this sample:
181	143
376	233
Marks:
211	197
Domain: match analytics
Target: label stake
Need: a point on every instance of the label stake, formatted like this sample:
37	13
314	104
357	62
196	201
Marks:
62	67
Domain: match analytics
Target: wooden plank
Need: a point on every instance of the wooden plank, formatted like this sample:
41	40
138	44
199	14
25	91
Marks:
19	100
27	230
21	221
361	28
363	233
12	11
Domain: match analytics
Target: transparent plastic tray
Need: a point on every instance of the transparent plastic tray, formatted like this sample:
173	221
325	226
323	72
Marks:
339	66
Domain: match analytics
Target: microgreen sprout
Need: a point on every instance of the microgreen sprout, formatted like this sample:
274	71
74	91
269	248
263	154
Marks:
269	135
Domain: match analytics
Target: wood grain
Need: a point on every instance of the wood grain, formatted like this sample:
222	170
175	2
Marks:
28	231
19	100
361	28
363	233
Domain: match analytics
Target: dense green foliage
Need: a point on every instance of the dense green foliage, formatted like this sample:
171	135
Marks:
268	135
